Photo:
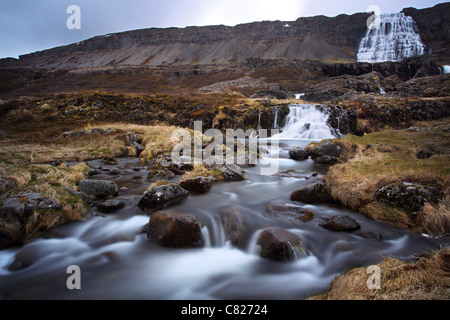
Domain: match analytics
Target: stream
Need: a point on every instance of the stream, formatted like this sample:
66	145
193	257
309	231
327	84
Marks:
118	261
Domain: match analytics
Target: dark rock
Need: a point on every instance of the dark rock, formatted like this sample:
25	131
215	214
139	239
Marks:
326	149
409	196
298	154
70	134
56	163
341	223
424	153
26	205
84	196
99	188
370	235
139	148
7	183
199	184
176	230
162	197
233	172
98	131
93	172
157	175
109	161
114	172
326	160
280	245
111	206
289	212
312	193
234	225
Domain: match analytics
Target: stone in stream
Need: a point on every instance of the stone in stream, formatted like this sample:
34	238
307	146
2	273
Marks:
341	224
312	193
176	230
99	188
289	212
234	225
233	172
298	154
110	206
162	197
326	149
280	245
198	184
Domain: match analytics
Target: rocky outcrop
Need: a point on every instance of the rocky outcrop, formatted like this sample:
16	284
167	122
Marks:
280	245
327	153
234	225
176	230
162	197
313	193
99	188
24	206
410	197
341	224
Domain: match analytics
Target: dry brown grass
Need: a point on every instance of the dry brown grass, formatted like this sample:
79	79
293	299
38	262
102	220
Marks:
428	278
201	171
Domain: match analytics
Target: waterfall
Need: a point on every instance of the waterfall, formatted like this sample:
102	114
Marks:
259	121
446	69
306	122
395	40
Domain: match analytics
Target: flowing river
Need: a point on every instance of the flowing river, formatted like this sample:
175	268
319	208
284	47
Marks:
118	261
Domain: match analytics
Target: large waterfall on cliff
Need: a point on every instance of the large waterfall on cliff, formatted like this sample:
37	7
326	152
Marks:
395	40
306	122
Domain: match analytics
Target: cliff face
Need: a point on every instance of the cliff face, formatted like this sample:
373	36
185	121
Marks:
318	38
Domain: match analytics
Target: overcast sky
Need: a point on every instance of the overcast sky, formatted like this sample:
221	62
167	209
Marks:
32	25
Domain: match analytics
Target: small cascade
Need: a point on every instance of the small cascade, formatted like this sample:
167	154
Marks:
446	69
395	40
276	112
259	121
306	122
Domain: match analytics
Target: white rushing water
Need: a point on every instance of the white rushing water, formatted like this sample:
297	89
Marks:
395	40
306	122
446	69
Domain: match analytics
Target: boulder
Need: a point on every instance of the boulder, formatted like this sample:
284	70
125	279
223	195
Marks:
99	188
410	197
280	245
162	197
176	230
233	172
298	154
341	223
289	212
199	184
24	206
326	149
312	193
424	153
110	206
330	160
234	225
70	134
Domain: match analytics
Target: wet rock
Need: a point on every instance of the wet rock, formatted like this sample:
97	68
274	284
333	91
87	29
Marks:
162	197
234	225
114	172
341	223
326	149
93	172
176	230
289	212
280	245
298	154
291	174
109	161
24	206
410	197
110	206
198	184
99	188
424	153
312	193
233	172
370	235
